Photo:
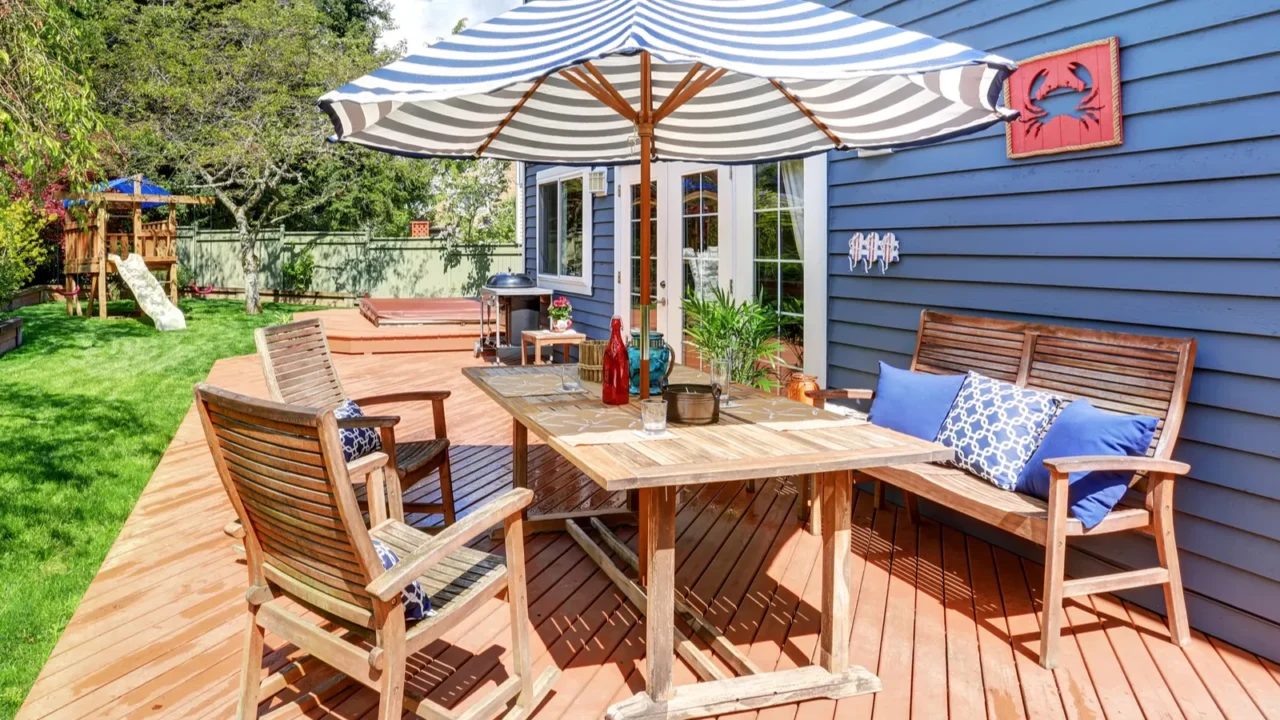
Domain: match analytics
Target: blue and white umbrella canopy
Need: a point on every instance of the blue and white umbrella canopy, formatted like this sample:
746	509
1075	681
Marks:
773	79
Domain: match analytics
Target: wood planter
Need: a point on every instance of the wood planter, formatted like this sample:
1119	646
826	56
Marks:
10	334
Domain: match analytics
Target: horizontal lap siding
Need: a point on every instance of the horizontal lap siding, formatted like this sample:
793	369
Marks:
1176	232
591	314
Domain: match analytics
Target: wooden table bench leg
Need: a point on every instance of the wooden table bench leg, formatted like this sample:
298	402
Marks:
660	620
520	458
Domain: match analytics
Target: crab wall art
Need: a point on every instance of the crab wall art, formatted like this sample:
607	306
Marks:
1068	99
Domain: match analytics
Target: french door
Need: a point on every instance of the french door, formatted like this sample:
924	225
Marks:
691	212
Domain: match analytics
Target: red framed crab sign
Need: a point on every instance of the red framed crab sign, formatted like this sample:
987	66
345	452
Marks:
1069	100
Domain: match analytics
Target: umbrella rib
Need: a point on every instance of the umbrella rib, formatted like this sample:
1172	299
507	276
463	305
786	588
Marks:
608	86
579	78
807	113
675	93
523	99
704	81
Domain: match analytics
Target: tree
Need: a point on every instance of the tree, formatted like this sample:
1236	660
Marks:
476	201
221	97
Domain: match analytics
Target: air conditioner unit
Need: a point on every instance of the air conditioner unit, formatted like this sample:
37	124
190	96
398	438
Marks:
598	181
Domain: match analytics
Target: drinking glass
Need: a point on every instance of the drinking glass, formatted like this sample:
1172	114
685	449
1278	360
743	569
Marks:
722	375
653	413
570	378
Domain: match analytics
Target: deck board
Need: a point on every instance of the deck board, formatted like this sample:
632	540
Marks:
950	622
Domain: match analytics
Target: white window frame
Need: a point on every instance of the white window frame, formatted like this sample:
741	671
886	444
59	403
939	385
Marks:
564	283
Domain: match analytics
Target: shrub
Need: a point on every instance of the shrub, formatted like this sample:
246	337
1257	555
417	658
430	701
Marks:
21	247
299	272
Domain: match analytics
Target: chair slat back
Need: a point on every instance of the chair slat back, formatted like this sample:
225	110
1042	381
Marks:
1121	372
297	364
283	470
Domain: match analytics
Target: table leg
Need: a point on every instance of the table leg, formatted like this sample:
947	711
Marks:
520	458
834	656
524	352
660	618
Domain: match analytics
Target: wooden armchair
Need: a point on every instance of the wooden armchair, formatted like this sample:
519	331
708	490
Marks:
307	545
299	371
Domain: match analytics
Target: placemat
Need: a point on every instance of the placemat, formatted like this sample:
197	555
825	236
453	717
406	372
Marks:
527	384
593	424
779	413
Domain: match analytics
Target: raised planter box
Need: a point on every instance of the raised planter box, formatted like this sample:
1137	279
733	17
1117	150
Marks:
319	299
10	334
33	295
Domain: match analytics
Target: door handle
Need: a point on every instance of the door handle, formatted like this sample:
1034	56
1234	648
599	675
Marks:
662	300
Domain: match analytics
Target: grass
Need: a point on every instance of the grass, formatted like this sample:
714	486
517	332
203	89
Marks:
87	408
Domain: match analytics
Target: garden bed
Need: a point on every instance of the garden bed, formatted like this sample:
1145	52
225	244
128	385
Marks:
10	334
319	299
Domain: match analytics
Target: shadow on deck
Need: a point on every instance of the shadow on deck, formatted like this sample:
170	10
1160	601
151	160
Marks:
948	621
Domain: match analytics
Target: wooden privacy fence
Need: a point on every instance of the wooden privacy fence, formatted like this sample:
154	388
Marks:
349	262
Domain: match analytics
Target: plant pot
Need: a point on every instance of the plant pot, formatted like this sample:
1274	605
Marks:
561	325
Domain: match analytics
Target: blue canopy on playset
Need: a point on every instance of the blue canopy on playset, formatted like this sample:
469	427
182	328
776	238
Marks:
125	185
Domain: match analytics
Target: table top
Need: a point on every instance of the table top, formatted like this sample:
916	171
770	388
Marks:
732	449
566	336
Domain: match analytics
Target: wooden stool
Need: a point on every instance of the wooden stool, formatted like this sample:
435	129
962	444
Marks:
538	338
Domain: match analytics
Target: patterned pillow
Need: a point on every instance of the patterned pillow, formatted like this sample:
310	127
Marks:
416	603
995	426
356	442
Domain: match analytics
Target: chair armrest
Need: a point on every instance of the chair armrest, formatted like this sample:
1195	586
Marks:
368	463
838	394
389	584
1090	463
407	396
369	421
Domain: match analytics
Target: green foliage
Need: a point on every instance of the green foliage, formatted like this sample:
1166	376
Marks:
476	201
299	272
82	425
719	326
50	128
21	247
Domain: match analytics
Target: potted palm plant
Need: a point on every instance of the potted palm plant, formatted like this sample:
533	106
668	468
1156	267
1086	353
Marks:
741	333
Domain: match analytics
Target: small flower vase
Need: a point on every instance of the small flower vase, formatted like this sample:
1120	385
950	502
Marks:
560	326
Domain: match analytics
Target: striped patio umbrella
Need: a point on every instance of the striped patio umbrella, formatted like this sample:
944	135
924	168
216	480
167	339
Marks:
621	81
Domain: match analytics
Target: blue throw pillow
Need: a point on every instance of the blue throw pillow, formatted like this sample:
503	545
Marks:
1082	429
356	442
416	603
995	426
913	403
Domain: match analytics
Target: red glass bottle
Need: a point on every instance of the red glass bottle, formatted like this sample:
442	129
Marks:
616	384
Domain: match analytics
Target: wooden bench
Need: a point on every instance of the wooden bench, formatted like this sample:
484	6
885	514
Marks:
1119	372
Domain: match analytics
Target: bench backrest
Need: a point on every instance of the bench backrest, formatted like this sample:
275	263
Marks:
298	366
1120	372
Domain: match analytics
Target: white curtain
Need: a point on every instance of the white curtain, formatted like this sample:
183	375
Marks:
791	177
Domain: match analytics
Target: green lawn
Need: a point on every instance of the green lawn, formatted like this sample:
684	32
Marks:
87	408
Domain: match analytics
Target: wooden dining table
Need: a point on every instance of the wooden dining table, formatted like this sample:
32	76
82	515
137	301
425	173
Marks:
764	437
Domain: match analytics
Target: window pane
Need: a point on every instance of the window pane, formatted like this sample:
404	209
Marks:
711	231
693	233
710	192
767	283
691	192
791	183
548	229
767	186
571	197
792	288
767	235
790	230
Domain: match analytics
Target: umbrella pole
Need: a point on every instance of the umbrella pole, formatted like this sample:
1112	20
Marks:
644	128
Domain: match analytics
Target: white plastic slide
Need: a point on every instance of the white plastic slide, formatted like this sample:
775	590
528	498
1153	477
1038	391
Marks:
147	291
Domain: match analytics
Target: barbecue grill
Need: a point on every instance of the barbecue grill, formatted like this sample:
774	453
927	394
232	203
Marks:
510	303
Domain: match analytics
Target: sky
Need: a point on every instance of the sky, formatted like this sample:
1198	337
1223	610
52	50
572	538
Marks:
421	22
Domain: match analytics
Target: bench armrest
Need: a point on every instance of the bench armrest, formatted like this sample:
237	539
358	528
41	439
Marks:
389	584
1090	463
407	396
369	421
820	397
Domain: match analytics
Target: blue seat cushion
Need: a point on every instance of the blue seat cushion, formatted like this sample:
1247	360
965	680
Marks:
995	426
913	403
416	603
356	442
1082	429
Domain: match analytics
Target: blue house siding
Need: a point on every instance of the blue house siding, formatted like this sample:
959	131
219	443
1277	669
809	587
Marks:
1175	232
591	314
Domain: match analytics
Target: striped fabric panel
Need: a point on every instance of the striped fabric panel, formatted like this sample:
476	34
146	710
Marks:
871	85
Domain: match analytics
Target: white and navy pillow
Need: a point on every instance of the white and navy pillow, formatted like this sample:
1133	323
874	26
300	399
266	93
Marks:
356	442
416	603
995	426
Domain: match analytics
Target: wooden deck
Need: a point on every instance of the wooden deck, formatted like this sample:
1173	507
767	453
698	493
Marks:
350	333
946	620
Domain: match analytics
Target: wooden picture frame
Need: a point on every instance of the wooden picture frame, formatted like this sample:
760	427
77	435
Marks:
1091	70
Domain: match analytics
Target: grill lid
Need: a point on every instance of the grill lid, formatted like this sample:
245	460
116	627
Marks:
509	280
